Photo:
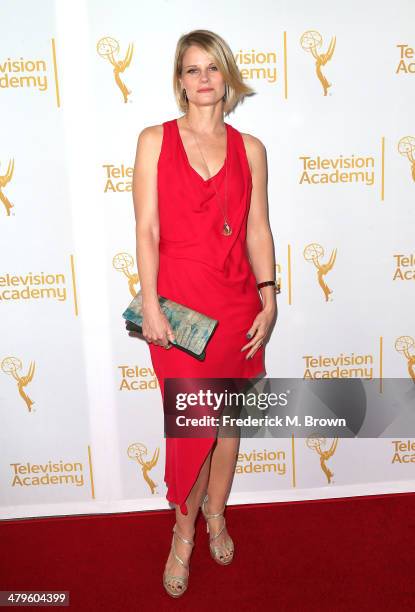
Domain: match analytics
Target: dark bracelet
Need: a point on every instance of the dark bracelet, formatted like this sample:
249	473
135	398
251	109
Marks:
266	283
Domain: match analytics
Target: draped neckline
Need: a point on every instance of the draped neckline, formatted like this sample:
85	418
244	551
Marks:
226	161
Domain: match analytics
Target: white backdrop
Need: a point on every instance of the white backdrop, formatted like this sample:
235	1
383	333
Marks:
80	408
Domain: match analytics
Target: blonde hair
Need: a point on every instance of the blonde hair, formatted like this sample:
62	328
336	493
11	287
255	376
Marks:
235	88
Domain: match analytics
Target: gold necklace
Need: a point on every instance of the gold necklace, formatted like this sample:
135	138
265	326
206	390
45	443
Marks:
226	229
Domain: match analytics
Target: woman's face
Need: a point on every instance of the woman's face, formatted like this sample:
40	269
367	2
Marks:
201	78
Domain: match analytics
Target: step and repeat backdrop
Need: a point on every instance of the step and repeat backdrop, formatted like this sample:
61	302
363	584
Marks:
80	406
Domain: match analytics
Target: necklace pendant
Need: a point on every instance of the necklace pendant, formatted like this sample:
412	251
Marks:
227	230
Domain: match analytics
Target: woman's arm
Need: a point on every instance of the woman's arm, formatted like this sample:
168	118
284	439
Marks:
146	212
259	237
155	325
259	244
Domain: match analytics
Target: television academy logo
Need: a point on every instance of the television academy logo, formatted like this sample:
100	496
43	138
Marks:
10	366
259	65
138	452
325	452
404	267
341	365
108	48
32	286
123	262
403	451
266	461
310	41
319	170
406	65
403	344
27	474
313	253
118	179
4	180
406	147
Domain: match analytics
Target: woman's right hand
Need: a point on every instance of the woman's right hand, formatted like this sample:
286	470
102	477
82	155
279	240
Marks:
156	328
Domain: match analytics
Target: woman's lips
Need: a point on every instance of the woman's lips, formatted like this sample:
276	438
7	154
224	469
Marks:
205	90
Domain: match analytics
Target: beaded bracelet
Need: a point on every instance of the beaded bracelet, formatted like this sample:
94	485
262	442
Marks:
266	283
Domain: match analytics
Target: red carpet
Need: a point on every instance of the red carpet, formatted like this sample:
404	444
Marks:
341	554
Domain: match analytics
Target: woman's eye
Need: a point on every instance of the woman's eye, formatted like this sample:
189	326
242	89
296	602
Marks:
195	69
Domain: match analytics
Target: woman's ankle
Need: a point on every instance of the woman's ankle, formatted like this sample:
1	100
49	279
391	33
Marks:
214	507
185	531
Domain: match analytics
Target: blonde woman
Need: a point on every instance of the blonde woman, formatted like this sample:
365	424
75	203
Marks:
203	240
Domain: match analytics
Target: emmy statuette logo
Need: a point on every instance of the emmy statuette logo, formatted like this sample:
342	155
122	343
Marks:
319	446
402	345
10	366
123	262
4	179
313	253
406	147
108	48
138	452
310	42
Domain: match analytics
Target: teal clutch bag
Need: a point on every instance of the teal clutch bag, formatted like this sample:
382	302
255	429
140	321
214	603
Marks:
192	329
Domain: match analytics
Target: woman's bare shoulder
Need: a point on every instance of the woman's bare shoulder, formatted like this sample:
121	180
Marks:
255	150
253	143
150	139
151	133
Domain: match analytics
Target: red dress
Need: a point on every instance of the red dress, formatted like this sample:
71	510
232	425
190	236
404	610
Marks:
207	271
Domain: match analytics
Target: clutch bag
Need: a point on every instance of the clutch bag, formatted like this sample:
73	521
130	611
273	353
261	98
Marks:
192	329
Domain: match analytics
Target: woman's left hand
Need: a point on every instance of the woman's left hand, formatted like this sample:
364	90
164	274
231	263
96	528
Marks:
258	331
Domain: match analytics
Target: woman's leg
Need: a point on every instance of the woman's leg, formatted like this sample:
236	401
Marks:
224	457
186	523
222	470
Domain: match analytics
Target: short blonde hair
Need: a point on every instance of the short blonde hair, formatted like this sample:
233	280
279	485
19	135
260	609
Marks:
212	43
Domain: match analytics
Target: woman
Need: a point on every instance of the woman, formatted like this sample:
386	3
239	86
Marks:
203	240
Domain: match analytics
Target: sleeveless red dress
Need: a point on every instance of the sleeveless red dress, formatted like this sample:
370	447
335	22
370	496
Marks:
205	270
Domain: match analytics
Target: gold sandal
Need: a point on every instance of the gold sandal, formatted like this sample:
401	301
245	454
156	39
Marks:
218	552
169	578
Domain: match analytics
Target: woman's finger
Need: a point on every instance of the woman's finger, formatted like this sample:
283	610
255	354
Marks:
253	330
259	335
257	345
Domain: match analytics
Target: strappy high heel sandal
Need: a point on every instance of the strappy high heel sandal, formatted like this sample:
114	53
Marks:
221	554
169	579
